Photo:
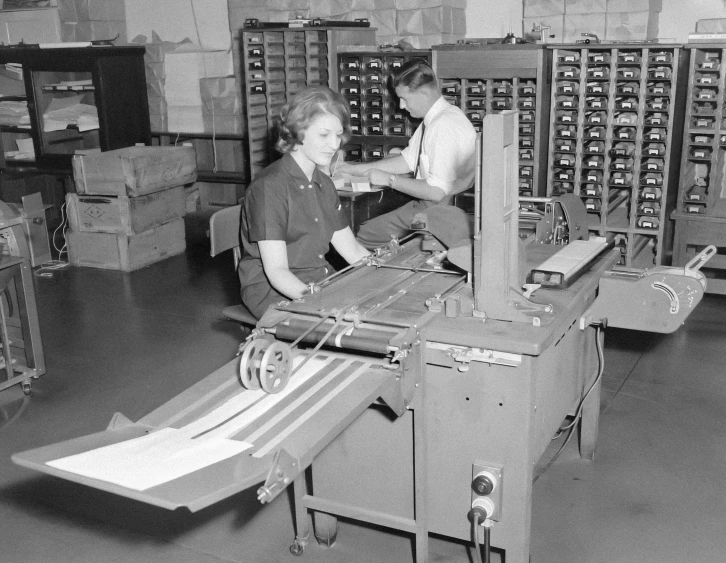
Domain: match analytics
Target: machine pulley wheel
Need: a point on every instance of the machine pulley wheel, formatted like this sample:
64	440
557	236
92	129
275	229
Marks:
249	364
276	367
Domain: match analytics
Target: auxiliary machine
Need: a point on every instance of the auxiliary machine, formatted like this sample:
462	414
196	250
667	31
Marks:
420	386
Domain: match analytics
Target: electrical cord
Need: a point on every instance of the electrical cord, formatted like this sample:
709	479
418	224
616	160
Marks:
475	538
45	270
10	421
578	413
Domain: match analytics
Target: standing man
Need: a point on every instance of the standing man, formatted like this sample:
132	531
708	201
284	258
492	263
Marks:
440	155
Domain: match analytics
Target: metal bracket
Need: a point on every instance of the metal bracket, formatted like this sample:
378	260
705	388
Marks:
283	472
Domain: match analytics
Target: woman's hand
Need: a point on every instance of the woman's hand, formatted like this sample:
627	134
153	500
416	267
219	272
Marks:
273	254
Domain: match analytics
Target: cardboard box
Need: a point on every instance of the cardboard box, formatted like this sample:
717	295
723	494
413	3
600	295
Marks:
415	4
288	5
219	95
68	32
124	215
82	10
634	5
188	119
134	171
204	22
536	8
384	21
106	10
221	123
183	69
715	25
110	251
330	8
585	6
426	21
577	24
631	26
372	6
159	122
67	11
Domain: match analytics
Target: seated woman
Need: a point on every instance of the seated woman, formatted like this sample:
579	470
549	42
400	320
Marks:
291	212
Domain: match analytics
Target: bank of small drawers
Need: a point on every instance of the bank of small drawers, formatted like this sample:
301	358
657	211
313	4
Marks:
611	142
377	122
277	64
701	190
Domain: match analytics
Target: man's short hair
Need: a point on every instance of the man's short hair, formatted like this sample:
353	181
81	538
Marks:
297	115
414	74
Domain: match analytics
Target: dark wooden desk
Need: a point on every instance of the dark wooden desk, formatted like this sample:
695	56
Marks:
361	206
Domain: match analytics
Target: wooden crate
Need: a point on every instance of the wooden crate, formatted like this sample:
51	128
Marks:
134	171
125	215
111	251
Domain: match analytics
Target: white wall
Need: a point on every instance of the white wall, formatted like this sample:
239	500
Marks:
491	18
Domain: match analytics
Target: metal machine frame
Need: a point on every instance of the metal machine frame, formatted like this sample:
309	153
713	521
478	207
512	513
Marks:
436	398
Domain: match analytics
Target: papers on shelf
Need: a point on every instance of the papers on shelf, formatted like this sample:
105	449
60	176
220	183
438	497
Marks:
26	150
14	113
71	85
65	111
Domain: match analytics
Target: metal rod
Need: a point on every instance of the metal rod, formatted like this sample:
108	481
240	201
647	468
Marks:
416	269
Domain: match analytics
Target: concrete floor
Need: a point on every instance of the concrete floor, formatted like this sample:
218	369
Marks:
128	342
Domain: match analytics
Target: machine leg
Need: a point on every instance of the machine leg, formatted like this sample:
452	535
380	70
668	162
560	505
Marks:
302	527
326	528
589	424
590	419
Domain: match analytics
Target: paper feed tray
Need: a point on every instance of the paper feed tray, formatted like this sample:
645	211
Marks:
217	438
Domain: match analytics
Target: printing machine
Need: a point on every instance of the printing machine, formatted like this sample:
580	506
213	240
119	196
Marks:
420	386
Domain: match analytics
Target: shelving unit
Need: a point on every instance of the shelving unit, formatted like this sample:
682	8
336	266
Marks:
700	216
277	63
702	189
615	138
484	78
109	80
377	121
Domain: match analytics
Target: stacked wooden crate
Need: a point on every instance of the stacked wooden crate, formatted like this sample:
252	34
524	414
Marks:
129	207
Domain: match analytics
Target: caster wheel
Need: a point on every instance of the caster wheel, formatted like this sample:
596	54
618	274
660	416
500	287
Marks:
27	389
326	528
297	548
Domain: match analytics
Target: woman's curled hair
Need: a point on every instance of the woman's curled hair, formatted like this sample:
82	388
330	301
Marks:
297	115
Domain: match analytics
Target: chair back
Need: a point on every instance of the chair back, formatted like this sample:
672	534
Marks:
224	232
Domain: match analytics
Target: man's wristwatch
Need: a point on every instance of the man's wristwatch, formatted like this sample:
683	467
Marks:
391	179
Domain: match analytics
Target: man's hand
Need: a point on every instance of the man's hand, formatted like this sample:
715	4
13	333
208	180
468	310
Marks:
378	177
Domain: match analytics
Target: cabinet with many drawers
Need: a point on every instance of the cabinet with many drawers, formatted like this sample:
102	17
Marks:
378	123
277	63
615	139
700	214
483	78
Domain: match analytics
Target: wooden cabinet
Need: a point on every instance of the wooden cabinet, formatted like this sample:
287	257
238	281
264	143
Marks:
702	189
277	63
77	98
484	78
377	121
700	214
615	140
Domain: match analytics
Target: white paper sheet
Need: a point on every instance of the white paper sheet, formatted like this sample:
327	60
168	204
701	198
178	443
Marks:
150	460
169	453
